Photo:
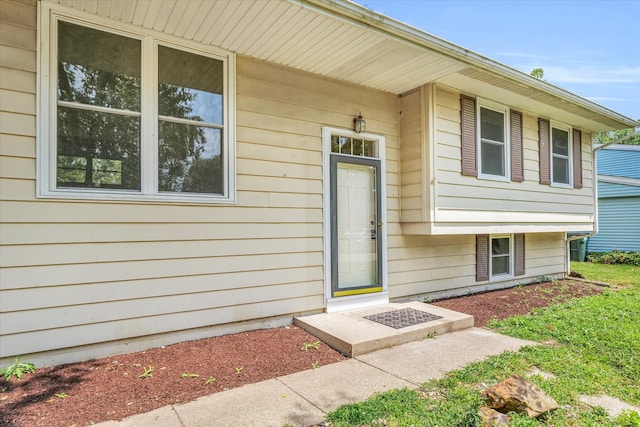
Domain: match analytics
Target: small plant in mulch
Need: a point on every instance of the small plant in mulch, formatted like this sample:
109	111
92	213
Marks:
148	373
310	345
189	375
17	369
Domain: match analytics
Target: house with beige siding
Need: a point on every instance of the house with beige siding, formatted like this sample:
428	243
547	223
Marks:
177	169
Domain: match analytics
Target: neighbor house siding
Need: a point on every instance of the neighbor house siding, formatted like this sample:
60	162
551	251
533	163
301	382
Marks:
77	273
618	225
465	200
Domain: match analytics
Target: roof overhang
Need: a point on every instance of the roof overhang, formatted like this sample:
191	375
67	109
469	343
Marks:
342	40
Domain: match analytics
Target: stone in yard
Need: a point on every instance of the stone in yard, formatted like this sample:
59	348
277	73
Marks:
492	418
519	395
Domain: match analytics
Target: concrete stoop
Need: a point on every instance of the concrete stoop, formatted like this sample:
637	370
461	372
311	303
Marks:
353	335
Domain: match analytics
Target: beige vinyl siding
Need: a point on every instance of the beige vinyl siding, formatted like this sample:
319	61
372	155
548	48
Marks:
437	266
86	273
465	200
411	159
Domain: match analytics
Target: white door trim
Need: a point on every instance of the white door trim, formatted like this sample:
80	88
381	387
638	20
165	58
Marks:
364	300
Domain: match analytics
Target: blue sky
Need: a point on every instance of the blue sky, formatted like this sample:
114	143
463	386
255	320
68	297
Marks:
589	47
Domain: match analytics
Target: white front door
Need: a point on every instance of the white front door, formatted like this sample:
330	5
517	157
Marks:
356	260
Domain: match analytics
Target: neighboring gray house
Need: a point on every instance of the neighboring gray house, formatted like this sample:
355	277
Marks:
618	199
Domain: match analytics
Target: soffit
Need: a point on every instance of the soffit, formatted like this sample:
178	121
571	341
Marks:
351	44
287	34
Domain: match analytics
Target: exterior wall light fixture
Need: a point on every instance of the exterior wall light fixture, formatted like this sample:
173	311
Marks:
359	125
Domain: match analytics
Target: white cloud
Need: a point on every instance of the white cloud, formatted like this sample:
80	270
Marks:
600	74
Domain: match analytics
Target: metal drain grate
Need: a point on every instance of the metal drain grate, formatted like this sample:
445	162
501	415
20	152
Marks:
402	318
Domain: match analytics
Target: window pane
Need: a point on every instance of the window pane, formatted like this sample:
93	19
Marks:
357	147
500	246
98	68
560	170
491	125
345	145
335	144
190	86
492	158
106	145
500	265
190	159
560	140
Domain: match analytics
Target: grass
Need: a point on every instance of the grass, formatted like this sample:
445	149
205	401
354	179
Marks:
592	347
616	274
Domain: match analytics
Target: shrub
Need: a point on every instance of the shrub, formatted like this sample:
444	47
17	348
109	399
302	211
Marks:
615	257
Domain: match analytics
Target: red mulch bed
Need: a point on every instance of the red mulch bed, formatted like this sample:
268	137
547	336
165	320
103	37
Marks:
111	388
520	300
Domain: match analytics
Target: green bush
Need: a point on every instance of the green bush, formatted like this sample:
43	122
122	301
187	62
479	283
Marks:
615	257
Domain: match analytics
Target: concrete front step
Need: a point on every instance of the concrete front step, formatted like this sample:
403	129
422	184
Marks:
351	334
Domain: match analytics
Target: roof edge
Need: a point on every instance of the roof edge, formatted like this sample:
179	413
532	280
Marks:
399	30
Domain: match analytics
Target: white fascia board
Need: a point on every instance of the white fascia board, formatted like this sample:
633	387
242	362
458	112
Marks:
373	21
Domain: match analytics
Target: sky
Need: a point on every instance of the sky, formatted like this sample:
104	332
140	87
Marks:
589	47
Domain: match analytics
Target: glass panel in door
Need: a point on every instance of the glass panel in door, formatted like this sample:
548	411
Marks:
356	242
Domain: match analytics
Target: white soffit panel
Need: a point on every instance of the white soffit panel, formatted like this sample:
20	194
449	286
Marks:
285	33
345	41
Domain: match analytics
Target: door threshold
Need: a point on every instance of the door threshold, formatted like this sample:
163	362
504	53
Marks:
354	302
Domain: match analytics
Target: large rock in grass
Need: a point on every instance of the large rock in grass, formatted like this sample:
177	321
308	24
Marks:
519	395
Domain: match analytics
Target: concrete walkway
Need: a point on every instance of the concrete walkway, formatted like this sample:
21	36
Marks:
305	398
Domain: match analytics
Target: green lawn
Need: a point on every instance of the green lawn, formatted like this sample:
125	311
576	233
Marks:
592	346
617	274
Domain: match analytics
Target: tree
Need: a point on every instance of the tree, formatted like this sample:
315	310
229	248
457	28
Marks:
606	137
538	73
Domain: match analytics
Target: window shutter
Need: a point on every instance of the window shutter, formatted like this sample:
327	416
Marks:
482	257
577	158
544	137
517	162
469	144
518	248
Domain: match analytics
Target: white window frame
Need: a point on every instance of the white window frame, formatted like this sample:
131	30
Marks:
501	276
48	18
504	110
569	157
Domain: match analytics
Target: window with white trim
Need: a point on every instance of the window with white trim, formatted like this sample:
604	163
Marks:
127	115
493	145
501	256
561	156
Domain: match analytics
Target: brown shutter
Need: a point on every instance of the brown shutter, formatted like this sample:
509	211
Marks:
518	249
482	257
517	162
577	159
544	137
468	135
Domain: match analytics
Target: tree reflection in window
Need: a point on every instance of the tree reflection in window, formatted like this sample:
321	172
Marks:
98	115
190	98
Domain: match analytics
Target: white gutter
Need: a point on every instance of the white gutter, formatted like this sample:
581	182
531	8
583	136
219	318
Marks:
373	21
